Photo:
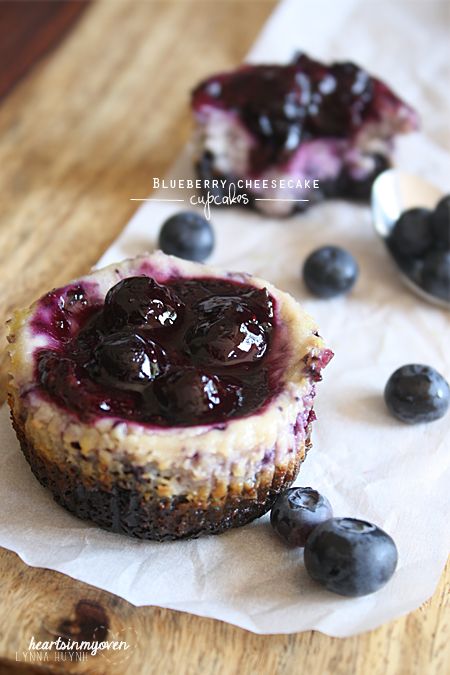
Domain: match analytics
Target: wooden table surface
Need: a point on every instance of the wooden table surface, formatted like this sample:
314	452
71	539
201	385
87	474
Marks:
78	136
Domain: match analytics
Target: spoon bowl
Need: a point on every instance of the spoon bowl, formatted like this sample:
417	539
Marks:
392	193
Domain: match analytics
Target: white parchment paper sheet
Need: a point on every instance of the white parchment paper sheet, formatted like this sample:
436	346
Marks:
368	464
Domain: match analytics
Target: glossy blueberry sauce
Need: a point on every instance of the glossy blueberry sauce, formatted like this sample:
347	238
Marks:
284	105
191	351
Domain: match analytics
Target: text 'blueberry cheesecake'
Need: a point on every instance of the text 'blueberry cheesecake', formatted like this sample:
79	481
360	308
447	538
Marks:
163	398
271	130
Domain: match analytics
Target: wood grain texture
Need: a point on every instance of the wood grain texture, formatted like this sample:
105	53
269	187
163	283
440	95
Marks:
161	641
29	30
78	137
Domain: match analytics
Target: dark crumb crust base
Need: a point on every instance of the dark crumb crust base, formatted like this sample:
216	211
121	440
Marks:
342	187
125	511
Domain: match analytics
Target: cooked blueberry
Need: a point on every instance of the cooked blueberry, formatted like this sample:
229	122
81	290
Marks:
297	512
411	235
350	557
440	224
330	271
140	301
187	394
187	235
436	274
417	393
76	296
341	99
58	374
126	360
232	329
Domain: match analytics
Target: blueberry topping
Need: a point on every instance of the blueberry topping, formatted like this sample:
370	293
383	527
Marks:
330	271
230	329
297	512
126	359
187	235
416	393
411	235
193	351
284	105
436	274
440	224
140	301
189	393
350	557
76	296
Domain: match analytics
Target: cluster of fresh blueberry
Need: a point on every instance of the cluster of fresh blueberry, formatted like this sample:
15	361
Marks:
415	392
420	243
348	556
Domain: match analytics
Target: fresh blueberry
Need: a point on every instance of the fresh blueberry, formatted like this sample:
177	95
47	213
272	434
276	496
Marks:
187	235
436	274
412	267
416	393
297	512
411	235
126	360
350	557
330	271
140	301
440	224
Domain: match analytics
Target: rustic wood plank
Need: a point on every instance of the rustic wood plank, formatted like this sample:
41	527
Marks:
29	30
162	641
81	135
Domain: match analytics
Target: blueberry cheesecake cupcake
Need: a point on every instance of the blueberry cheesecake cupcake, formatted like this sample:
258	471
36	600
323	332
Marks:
162	398
271	130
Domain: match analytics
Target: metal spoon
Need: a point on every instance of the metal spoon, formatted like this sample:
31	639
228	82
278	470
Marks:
392	193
